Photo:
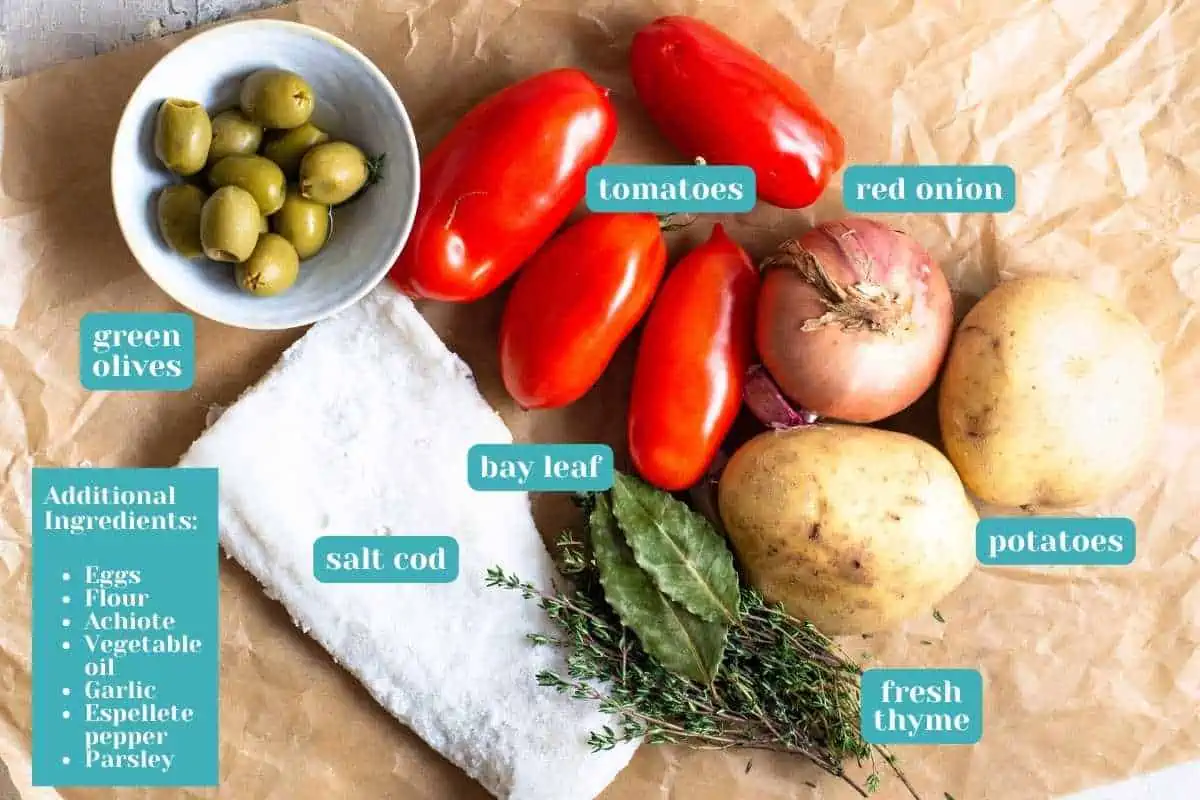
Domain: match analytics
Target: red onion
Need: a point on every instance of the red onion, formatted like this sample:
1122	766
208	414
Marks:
768	405
854	320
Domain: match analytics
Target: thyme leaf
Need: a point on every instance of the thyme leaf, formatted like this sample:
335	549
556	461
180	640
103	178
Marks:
782	685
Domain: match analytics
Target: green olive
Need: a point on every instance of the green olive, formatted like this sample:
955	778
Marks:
264	225
260	177
182	134
229	224
271	268
332	173
233	134
178	211
276	98
288	147
303	223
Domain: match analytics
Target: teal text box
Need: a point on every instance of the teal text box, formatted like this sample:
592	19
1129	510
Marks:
922	706
1055	541
385	559
137	352
540	467
929	189
125	627
671	189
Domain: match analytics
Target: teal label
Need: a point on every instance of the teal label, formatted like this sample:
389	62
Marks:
922	706
137	352
385	559
671	189
540	467
1055	541
939	189
125	644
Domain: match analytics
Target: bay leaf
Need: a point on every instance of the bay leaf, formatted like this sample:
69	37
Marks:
680	549
681	642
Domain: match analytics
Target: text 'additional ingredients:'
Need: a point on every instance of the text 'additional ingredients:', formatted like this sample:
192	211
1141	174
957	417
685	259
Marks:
125	635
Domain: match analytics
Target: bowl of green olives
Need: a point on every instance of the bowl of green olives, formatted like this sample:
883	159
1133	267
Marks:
265	174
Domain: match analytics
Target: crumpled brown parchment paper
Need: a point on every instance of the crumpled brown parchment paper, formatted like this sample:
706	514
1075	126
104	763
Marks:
1091	675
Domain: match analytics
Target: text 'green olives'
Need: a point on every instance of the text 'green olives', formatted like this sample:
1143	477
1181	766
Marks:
303	223
272	267
288	147
259	176
182	135
178	211
233	134
332	173
229	224
276	98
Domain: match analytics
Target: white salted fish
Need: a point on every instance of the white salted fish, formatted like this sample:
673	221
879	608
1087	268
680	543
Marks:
363	428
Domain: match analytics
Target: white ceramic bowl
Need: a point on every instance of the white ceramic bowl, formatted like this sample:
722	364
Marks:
355	102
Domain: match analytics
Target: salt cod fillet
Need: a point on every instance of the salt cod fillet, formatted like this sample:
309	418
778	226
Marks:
362	428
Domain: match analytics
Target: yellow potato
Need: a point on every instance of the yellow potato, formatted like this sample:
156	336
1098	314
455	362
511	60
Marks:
852	528
1051	397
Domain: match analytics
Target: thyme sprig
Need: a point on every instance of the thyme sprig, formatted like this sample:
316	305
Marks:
782	686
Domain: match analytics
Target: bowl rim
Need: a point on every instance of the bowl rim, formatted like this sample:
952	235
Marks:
405	224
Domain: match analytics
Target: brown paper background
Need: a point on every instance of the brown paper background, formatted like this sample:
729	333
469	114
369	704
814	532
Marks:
1090	675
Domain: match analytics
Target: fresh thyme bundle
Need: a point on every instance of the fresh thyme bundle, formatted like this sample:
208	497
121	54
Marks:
656	629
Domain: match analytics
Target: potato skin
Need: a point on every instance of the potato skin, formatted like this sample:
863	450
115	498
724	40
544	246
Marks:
1052	396
853	528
